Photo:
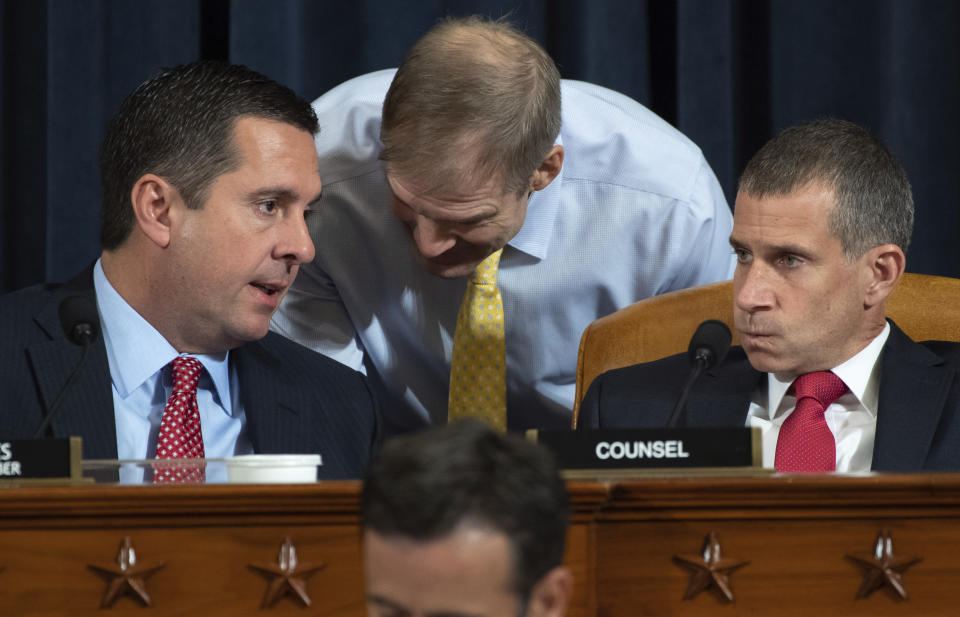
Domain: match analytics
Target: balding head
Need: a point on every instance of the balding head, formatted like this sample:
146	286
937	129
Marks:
473	99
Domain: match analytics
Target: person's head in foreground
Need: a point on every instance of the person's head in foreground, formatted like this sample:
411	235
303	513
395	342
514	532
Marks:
469	129
208	170
464	521
821	227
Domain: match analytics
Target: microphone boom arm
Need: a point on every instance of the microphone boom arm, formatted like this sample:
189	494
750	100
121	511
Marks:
63	391
701	362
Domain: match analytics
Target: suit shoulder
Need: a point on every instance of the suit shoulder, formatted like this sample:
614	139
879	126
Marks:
656	373
327	381
33	296
22	306
290	351
948	350
647	370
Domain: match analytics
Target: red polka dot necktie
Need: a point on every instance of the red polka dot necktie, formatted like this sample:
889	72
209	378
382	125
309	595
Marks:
180	436
805	443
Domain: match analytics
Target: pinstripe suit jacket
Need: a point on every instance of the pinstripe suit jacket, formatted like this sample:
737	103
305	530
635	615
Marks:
295	400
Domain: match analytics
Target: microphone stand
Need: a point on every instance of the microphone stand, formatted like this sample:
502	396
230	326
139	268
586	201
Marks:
83	335
701	361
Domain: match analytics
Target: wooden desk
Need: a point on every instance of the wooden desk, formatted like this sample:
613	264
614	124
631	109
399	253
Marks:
793	531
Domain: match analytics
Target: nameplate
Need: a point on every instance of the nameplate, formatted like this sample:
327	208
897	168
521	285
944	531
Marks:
655	448
40	458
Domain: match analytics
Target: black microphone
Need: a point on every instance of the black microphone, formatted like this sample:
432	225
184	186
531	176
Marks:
708	347
81	325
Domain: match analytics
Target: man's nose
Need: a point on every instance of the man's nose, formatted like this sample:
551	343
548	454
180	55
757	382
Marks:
751	288
295	245
431	238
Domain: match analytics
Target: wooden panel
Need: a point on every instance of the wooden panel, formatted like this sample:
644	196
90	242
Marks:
206	569
794	531
207	536
796	567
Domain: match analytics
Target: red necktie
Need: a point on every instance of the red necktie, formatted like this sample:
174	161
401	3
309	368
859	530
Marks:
805	442
180	435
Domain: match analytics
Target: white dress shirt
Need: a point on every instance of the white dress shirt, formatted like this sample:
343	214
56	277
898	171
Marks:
852	418
142	382
635	212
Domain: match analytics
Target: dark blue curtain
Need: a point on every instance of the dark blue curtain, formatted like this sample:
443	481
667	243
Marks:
729	74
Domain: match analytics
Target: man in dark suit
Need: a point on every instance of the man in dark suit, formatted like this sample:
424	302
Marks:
821	226
208	173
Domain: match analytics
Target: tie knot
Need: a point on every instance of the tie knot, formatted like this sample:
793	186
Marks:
186	374
486	272
823	386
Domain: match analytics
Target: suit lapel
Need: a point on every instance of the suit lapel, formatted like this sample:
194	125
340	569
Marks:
87	408
722	395
274	407
914	383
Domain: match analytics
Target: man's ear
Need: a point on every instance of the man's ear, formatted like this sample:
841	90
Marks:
886	264
550	596
153	198
548	170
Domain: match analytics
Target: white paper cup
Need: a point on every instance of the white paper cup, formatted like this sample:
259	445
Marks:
273	468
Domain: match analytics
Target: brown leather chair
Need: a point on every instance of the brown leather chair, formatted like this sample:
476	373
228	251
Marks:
925	307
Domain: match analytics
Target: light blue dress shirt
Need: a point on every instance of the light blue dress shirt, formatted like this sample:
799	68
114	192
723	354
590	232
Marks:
139	359
636	211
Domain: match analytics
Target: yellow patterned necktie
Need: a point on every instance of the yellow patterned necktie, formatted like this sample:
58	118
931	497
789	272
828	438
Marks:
478	375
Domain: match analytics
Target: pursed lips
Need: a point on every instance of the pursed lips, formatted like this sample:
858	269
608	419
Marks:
270	288
753	332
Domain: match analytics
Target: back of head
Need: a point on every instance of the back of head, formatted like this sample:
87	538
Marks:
179	126
472	86
873	201
426	485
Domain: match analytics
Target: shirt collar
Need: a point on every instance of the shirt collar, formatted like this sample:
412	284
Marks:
542	208
136	351
861	374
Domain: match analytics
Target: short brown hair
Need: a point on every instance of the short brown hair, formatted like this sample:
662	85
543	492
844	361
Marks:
472	82
179	125
872	197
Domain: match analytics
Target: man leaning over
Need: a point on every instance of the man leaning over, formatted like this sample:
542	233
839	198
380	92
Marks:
463	158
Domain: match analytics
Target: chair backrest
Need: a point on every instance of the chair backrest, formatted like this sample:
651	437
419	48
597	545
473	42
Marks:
925	307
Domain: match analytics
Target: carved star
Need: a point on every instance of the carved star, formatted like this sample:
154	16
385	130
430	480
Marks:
126	576
286	576
709	569
881	568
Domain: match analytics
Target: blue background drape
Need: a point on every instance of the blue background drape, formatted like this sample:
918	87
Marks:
729	74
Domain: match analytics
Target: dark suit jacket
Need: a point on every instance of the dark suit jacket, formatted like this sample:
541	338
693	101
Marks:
918	417
295	400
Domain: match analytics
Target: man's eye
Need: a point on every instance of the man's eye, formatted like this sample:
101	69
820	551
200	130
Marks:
267	207
742	255
790	261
